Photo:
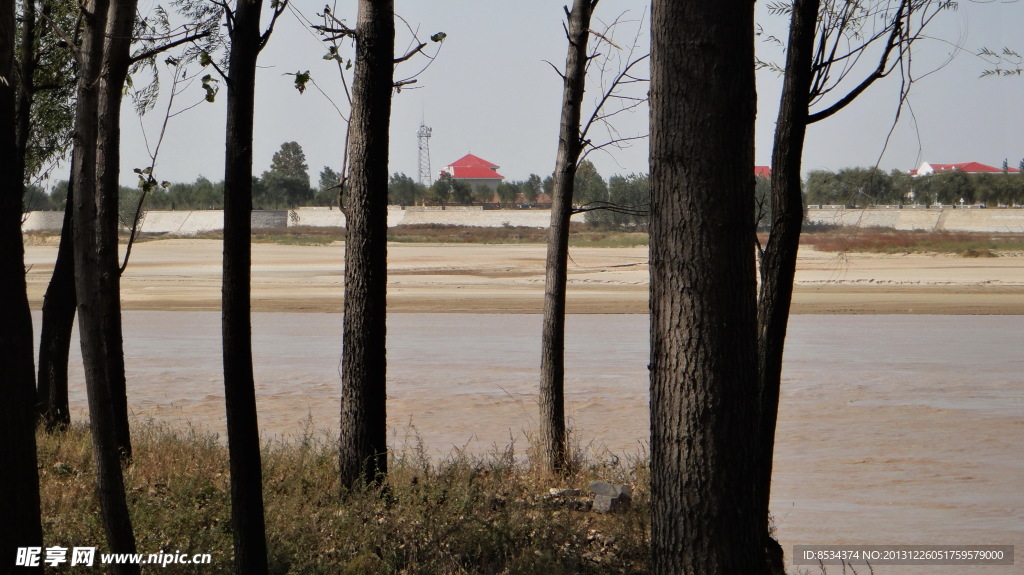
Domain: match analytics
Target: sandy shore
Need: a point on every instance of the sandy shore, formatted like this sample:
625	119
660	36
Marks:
184	274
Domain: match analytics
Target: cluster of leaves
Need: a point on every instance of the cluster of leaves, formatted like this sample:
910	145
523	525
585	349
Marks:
54	79
199	35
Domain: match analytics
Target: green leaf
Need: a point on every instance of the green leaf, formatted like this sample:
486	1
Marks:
205	59
439	37
301	79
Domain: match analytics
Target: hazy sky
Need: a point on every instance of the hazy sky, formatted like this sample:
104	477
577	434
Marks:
490	92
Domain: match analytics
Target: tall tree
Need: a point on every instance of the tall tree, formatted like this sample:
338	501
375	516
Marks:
45	86
290	160
114	71
702	292
52	121
96	263
823	34
59	304
778	261
363	446
247	518
19	476
570	146
574	181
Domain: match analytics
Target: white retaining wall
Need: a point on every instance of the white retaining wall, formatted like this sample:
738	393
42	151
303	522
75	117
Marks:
43	221
995	220
179	223
948	219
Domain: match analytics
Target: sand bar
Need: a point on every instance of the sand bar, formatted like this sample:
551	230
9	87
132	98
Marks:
184	274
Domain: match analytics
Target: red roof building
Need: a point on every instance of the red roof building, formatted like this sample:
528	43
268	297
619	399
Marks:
965	167
763	171
474	171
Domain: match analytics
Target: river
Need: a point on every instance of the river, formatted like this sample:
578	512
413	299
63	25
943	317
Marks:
892	429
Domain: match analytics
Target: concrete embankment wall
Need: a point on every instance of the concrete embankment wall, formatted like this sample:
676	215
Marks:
186	223
947	219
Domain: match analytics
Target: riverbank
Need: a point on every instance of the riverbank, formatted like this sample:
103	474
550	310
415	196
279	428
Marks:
184	274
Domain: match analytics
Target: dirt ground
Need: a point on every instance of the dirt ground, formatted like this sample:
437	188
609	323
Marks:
184	274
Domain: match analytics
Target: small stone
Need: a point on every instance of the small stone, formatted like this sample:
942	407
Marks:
556	492
611	497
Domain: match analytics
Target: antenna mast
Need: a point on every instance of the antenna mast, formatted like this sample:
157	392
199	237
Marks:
423	134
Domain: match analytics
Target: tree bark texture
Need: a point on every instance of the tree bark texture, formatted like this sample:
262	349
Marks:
570	145
778	262
114	70
363	451
96	280
703	294
20	524
247	516
26	87
59	304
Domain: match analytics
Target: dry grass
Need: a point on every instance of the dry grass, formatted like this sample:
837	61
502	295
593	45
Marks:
460	515
882	241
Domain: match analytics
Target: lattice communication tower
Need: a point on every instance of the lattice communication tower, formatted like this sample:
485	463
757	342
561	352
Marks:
424	137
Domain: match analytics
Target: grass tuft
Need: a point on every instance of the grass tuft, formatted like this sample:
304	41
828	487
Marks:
459	514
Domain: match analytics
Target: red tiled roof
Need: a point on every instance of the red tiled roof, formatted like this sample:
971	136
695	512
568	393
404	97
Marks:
471	161
971	168
763	171
473	173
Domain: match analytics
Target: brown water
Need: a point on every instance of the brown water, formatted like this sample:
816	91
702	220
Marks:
892	429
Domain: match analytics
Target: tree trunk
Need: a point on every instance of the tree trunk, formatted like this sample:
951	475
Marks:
247	518
59	304
778	262
363	451
552	359
26	87
96	283
702	300
19	477
116	59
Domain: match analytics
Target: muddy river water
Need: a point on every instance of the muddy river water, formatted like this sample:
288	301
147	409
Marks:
892	429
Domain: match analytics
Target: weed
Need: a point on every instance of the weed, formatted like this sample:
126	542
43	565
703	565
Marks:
462	513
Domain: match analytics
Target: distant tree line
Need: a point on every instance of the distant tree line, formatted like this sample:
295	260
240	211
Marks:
871	186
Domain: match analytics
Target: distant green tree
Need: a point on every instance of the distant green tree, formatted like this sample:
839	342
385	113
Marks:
508	192
533	186
403	190
290	160
851	186
629	199
440	191
483	194
903	187
286	183
327	190
547	186
59	194
35	199
589	186
462	193
957	187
